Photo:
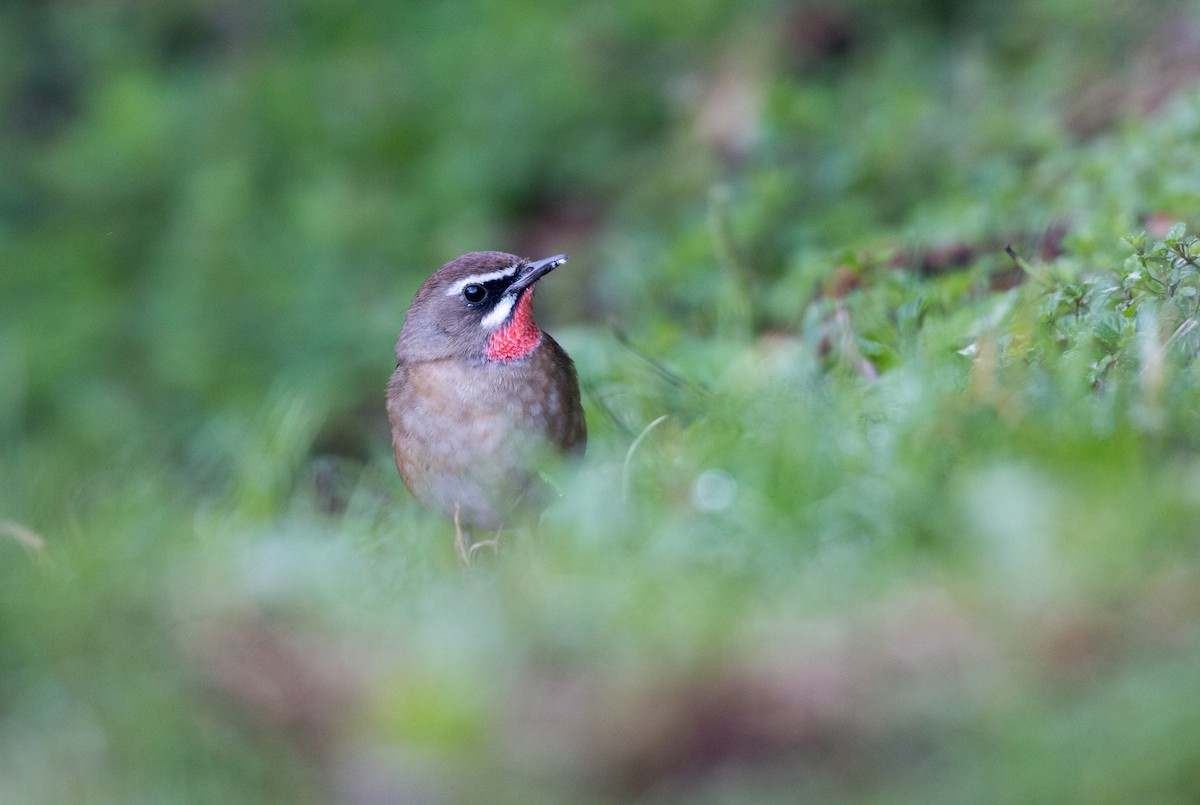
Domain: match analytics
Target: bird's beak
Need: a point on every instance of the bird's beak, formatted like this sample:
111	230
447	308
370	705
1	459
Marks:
532	272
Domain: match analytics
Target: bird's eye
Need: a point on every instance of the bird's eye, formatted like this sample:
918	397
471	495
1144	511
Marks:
474	294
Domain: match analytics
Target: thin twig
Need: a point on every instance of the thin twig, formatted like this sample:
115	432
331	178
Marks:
1024	265
29	539
665	373
589	391
625	482
1188	325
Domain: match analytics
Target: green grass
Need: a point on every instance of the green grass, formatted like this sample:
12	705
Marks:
872	511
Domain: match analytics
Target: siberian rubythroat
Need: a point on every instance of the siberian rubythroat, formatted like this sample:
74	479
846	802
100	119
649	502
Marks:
481	396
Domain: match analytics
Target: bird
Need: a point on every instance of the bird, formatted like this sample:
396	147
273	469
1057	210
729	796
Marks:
481	397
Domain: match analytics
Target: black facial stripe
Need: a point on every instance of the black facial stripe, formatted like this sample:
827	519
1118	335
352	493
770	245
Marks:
483	296
497	287
495	290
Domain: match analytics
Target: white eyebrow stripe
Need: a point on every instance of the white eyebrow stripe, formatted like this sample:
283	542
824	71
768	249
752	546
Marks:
479	279
498	314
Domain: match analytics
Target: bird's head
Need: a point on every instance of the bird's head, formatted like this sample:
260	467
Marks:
478	306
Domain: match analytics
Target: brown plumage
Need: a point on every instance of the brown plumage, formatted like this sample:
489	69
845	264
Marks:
480	396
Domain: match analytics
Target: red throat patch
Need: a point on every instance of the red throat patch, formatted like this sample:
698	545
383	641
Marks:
518	336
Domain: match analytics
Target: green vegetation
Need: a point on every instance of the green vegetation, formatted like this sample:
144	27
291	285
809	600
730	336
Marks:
919	524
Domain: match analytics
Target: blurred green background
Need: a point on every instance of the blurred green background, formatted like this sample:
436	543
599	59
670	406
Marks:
919	524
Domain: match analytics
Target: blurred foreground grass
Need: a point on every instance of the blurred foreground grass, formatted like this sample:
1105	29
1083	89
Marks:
918	525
